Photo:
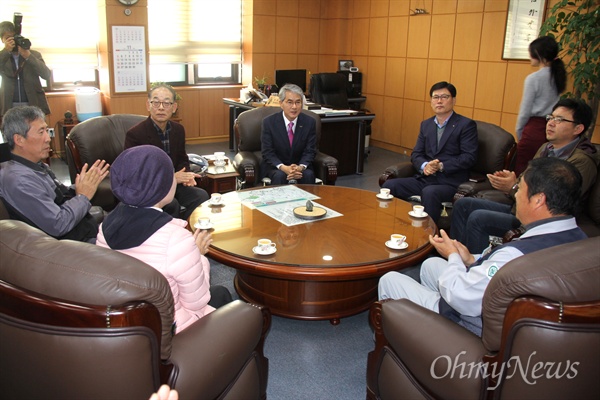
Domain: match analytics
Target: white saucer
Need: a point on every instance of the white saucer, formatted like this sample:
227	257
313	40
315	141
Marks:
206	227
219	204
401	247
412	214
388	197
255	250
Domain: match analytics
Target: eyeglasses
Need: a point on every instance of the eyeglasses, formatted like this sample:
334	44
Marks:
443	97
165	104
558	120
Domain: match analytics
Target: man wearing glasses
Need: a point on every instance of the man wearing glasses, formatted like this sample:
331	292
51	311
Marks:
445	151
474	220
158	130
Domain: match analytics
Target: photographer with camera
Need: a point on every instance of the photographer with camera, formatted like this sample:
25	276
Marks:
21	69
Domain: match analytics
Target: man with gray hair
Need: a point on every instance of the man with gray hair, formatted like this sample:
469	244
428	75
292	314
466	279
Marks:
21	70
29	188
289	141
158	130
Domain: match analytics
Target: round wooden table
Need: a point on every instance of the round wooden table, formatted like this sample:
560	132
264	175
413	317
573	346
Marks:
323	269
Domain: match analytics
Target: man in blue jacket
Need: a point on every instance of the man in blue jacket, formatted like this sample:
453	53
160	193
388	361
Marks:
289	141
446	150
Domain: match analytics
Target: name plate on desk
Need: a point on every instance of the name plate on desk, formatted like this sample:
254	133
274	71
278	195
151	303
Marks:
329	112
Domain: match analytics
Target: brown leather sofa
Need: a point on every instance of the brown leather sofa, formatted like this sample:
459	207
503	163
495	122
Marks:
542	310
249	157
100	138
80	321
496	151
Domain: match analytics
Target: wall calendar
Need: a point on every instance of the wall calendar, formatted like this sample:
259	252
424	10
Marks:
129	57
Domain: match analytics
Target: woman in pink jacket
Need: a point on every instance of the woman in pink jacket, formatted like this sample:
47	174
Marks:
142	178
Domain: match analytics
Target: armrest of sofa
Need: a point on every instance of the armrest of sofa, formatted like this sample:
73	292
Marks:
429	346
326	168
247	164
220	349
403	169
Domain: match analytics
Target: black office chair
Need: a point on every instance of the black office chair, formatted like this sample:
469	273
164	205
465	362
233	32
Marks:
329	90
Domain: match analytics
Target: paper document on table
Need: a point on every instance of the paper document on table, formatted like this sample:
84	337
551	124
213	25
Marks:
332	112
279	203
274	195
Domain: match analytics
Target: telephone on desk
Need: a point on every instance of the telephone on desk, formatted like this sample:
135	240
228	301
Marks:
256	95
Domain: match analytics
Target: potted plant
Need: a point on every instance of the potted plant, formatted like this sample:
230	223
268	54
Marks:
261	82
575	24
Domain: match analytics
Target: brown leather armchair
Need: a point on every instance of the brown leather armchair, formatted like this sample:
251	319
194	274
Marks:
100	138
81	321
541	310
496	151
249	157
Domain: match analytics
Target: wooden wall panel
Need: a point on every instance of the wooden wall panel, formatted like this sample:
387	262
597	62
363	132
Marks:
490	82
308	36
310	9
418	36
391	131
467	36
377	75
415	79
394	77
287	34
360	36
397	37
513	90
441	26
378	33
463	78
399	7
492	36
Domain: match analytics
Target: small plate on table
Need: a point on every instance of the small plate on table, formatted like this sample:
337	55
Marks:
382	197
393	246
412	214
256	250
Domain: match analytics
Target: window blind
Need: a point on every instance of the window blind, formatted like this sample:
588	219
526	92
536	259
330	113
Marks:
64	31
195	31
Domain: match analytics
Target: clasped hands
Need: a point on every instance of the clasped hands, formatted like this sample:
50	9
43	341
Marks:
87	181
503	180
293	171
432	167
446	246
187	178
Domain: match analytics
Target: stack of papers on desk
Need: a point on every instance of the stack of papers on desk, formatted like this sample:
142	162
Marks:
332	112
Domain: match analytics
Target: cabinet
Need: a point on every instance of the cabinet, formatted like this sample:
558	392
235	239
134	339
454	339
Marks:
60	134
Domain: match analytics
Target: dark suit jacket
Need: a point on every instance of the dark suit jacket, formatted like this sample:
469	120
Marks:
457	149
145	133
33	69
275	144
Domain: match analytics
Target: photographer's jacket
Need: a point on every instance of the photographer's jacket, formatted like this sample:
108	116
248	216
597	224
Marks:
29	73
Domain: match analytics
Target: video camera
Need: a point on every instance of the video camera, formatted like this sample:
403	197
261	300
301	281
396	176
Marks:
20	41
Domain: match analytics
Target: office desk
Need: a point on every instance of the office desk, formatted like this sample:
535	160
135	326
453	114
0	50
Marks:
342	136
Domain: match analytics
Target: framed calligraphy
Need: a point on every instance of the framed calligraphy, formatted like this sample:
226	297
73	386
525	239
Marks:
523	22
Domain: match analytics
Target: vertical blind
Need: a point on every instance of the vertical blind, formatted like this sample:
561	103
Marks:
64	31
195	31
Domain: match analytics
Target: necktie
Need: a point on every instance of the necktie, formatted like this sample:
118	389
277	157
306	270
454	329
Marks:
291	132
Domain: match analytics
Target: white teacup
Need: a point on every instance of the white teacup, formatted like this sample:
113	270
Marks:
265	245
418	210
204	222
383	192
220	155
397	239
215	198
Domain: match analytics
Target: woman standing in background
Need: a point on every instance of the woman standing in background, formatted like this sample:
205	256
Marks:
541	91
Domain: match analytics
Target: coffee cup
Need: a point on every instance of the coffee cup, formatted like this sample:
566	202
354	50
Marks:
418	210
219	155
203	222
265	245
383	192
397	239
215	198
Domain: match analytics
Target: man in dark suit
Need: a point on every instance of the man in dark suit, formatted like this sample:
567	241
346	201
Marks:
158	130
289	141
445	151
